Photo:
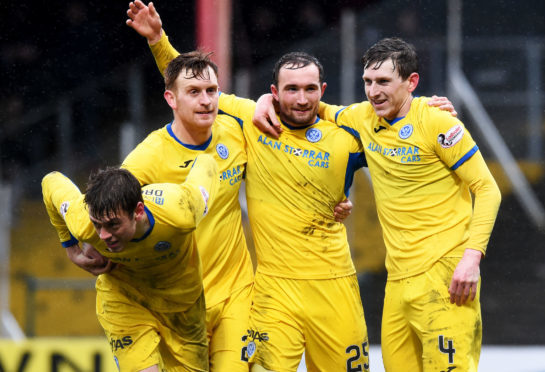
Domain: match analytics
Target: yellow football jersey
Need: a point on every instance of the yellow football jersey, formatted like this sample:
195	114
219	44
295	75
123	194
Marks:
162	157
161	269
292	186
424	208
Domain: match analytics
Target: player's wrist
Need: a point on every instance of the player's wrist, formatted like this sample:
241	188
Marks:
473	254
155	38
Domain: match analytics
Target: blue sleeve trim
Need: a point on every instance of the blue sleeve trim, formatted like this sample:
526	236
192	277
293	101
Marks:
464	158
356	160
71	242
239	120
352	131
338	112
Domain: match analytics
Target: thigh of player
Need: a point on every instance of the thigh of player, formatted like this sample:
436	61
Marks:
140	338
227	324
451	335
400	344
274	339
335	329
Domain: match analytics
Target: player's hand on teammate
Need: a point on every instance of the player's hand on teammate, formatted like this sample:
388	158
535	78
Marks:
265	118
465	278
342	210
145	20
89	259
443	103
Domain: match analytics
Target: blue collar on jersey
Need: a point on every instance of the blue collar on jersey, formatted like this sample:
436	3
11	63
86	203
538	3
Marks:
203	146
151	220
303	127
392	122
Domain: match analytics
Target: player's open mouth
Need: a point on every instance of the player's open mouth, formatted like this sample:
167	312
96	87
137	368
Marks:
112	245
377	102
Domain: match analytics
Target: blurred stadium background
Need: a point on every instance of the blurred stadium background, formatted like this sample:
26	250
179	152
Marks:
79	89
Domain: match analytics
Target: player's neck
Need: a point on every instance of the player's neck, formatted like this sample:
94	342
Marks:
194	137
405	107
142	226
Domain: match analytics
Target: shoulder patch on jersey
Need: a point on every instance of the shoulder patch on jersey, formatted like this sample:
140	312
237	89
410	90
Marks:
162	246
313	135
406	131
222	150
205	197
452	137
64	208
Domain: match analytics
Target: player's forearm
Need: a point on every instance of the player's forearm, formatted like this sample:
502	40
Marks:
202	184
163	52
487	201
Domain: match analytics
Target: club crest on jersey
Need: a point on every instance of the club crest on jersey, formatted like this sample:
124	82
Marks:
452	137
64	208
313	135
406	131
162	246
250	348
222	151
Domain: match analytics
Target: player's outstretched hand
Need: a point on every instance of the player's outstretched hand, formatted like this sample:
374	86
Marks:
265	118
465	278
443	103
342	210
89	259
145	20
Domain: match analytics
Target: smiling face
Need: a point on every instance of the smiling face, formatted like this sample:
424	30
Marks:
298	93
194	101
388	93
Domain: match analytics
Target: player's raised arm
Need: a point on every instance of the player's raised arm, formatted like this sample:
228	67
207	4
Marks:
145	20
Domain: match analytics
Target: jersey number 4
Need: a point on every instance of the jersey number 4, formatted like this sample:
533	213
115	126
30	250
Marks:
449	349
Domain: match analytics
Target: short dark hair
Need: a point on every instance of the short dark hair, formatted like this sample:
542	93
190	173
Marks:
403	56
112	190
197	62
294	61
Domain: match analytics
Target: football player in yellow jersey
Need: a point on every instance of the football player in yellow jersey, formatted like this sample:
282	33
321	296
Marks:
167	155
423	165
303	257
151	305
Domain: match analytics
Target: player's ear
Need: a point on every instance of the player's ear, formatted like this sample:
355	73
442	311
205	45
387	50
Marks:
139	211
413	81
324	85
274	92
170	98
